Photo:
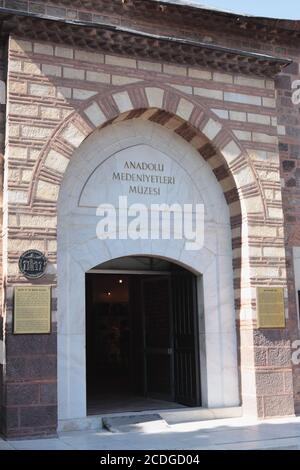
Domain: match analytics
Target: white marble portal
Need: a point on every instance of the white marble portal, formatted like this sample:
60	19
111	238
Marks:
95	176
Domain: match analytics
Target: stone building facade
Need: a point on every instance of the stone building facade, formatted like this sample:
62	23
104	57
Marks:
79	71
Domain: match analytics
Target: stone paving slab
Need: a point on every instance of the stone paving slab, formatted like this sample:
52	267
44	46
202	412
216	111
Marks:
136	423
226	434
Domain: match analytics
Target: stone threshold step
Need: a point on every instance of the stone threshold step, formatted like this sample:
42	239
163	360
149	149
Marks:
174	416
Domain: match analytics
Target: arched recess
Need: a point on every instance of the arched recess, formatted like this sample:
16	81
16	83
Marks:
85	185
188	119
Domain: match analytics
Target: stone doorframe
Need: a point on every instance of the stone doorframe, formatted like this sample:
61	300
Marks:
250	211
79	250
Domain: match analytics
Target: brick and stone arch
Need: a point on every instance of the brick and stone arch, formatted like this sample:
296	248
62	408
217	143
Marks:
195	123
199	126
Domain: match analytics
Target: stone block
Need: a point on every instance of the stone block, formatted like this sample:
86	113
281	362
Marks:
123	101
24	109
275	213
57	162
98	77
260	357
13	175
79	94
231	151
175	70
273	252
22	394
19	244
31	345
14	130
85	56
48	393
250	82
41	90
20	45
17	197
155	97
17	87
271	338
221	113
209	93
10	418
255	205
73	73
222	77
37	221
53	70
65	52
37	416
47	191
238	116
269	383
244	176
120	80
120	61
64	92
200	74
281	405
279	357
242	135
212	129
281	130
259	119
95	114
242	99
17	152
264	138
269	102
26	176
184	109
50	113
34	132
188	90
270	84
15	66
43	48
149	66
32	67
52	245
73	135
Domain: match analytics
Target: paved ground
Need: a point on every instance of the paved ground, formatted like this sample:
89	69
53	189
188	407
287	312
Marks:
237	433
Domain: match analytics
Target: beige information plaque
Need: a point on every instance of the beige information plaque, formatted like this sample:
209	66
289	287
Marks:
32	310
270	307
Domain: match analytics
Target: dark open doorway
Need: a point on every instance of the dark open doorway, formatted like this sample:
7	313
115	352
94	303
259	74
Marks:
141	337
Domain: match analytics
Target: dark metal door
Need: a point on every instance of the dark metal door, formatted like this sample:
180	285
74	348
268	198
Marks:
186	339
158	348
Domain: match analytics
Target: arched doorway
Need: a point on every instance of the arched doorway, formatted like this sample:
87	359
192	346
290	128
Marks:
89	181
142	335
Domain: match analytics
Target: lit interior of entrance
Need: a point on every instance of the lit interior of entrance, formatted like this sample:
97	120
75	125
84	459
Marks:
141	336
